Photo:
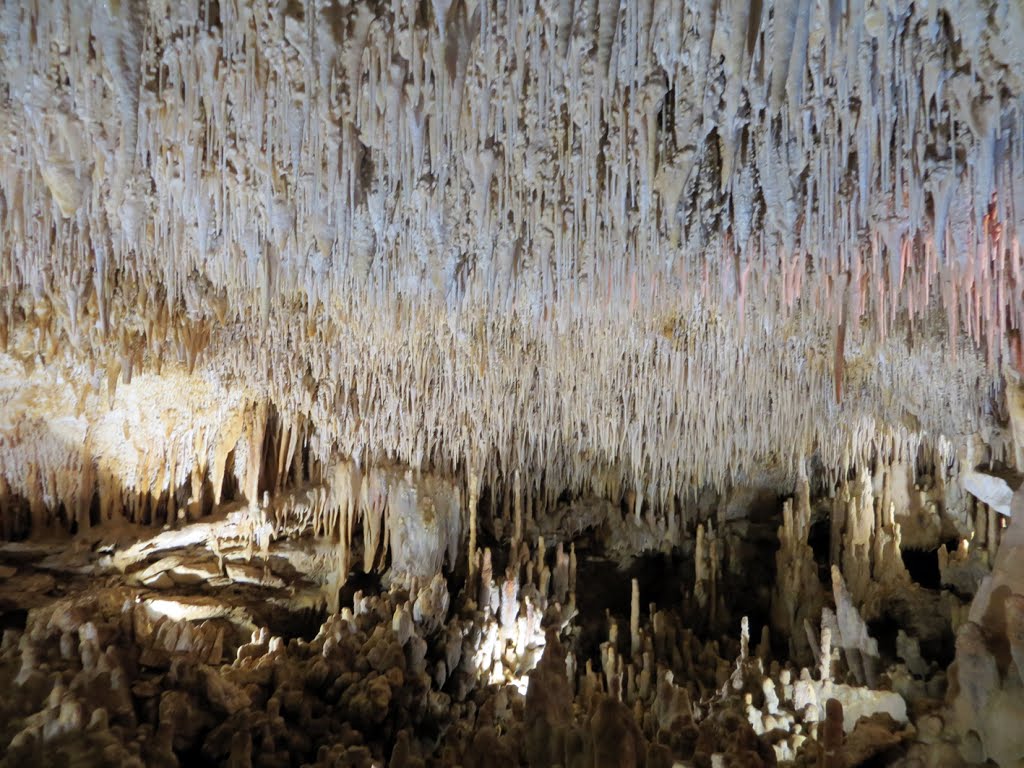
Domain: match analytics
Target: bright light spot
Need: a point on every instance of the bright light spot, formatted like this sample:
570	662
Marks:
180	611
497	659
521	683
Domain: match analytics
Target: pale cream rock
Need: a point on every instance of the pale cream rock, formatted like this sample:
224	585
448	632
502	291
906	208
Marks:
993	491
986	700
247	573
859	702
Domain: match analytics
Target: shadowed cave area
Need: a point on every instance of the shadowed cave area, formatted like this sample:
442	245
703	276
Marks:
210	631
546	383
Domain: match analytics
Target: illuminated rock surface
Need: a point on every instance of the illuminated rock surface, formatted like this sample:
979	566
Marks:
511	382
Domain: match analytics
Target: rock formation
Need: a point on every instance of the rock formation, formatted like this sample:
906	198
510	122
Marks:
511	382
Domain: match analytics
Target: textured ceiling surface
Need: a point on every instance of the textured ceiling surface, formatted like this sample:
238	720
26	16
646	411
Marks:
645	244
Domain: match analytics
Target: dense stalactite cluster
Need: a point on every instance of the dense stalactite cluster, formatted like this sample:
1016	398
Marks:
647	245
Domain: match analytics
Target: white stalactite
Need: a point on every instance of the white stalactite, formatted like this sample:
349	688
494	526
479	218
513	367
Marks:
609	247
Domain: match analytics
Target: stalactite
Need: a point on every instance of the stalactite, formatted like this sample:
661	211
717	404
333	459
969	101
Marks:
474	495
420	259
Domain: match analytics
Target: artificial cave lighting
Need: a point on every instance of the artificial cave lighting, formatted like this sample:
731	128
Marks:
475	383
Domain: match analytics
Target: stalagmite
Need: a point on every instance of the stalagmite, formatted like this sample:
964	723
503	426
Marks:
797	595
634	619
861	650
474	496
